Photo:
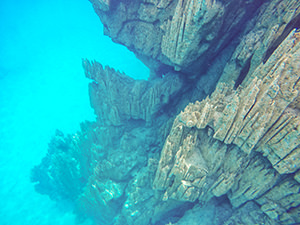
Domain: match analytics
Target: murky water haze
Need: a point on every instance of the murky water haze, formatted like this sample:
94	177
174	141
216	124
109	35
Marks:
43	88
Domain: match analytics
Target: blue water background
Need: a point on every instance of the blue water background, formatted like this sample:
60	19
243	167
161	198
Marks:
43	88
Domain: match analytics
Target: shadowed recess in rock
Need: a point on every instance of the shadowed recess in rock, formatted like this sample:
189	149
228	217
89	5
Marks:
293	24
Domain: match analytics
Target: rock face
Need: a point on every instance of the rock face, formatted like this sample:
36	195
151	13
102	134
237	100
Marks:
275	20
182	34
143	100
183	148
220	145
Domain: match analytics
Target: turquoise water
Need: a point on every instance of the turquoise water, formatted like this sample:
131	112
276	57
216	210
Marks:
43	88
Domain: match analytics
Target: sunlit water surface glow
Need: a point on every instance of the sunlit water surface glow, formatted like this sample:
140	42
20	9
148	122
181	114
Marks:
43	88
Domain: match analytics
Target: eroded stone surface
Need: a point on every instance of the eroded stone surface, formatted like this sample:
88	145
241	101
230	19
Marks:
275	20
233	155
258	117
183	34
118	98
218	146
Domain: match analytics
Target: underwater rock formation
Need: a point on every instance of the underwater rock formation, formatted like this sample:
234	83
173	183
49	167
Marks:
118	98
263	34
213	137
64	171
219	146
183	34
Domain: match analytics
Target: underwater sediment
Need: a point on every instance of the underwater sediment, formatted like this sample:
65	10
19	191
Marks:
213	137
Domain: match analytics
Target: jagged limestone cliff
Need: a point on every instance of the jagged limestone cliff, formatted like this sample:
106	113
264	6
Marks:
226	75
220	145
183	34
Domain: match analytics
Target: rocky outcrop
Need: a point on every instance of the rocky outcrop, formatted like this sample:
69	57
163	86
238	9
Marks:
220	212
220	145
275	20
117	98
255	115
183	34
231	158
110	164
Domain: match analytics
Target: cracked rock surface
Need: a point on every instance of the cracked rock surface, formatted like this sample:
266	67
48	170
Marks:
182	34
242	143
213	137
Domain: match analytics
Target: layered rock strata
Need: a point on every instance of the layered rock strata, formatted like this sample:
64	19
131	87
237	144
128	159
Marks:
232	158
264	33
220	145
117	98
110	164
183	34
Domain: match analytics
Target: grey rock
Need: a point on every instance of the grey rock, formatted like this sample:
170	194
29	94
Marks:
117	98
182	34
228	158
